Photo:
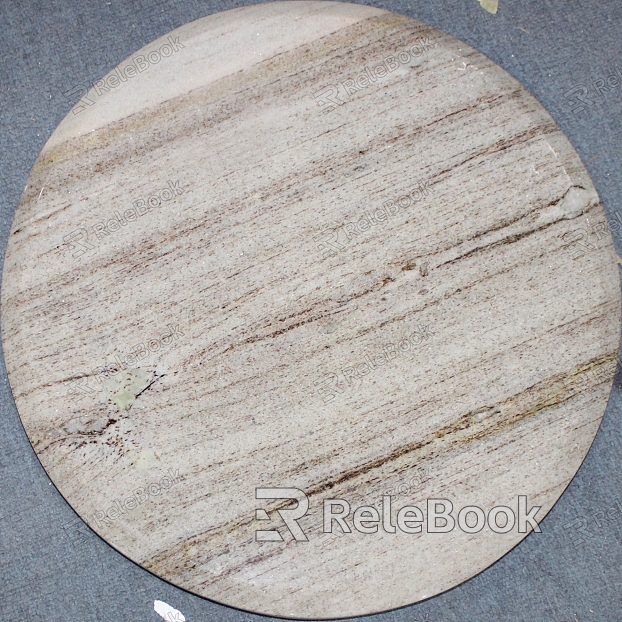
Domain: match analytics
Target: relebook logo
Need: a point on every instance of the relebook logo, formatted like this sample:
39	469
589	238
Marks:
439	517
140	496
329	98
78	240
120	74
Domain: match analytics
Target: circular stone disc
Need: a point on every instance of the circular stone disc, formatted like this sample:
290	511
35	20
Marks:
318	246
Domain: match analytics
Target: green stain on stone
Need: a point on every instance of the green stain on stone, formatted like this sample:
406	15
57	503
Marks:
127	386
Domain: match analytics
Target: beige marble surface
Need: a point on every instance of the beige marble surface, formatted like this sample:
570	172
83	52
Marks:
262	329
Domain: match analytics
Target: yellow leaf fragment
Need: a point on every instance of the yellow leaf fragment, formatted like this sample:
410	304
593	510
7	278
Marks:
490	5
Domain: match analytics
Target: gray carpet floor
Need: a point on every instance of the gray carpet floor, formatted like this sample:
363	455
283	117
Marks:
53	568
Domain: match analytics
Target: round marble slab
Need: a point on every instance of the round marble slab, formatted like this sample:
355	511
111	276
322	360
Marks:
318	247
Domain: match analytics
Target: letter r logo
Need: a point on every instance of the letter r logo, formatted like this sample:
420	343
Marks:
79	242
578	93
290	517
327	99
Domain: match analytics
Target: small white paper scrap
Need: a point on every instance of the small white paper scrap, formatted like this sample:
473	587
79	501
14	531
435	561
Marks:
170	614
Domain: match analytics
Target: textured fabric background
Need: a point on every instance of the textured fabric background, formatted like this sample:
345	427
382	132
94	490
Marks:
53	568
